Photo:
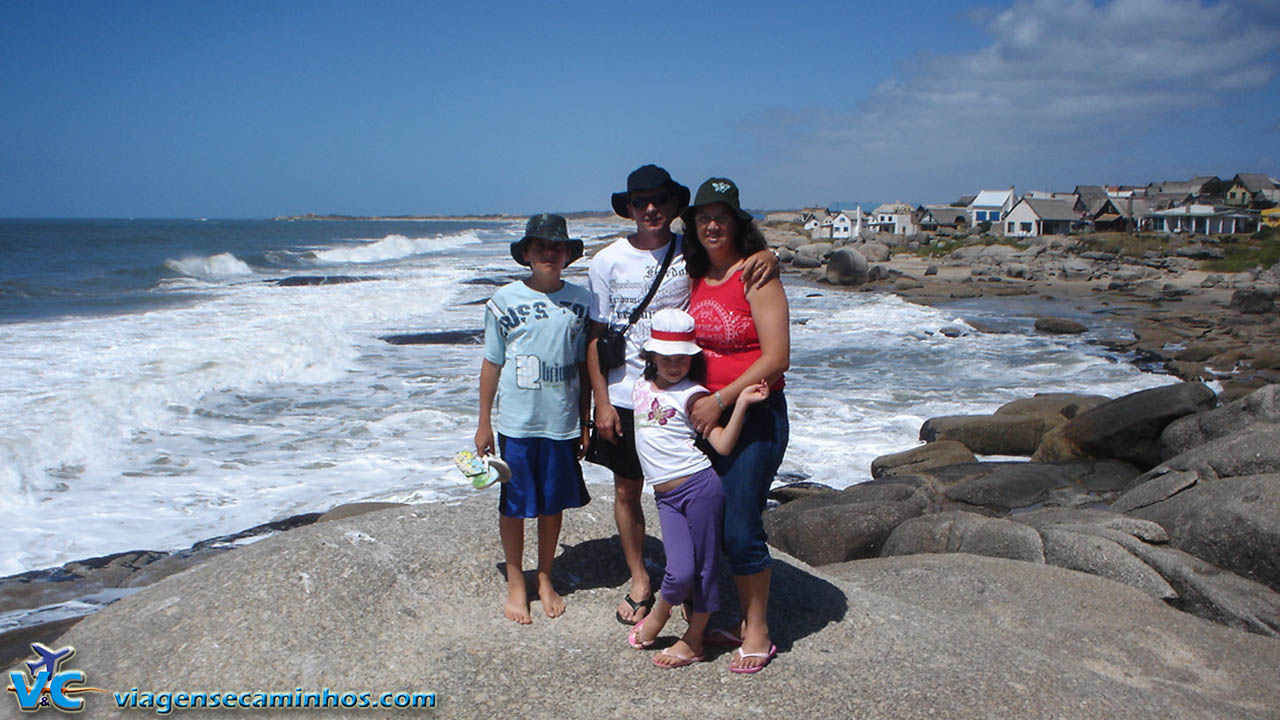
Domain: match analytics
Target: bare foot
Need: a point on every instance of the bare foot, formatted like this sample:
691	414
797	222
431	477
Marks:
647	630
552	603
516	608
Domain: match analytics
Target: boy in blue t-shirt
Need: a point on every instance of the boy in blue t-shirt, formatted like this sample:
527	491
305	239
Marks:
536	330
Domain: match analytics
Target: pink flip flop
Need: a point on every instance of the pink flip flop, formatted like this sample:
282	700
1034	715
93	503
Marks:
768	656
634	641
681	660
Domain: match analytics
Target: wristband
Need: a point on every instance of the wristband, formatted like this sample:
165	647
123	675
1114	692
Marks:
719	400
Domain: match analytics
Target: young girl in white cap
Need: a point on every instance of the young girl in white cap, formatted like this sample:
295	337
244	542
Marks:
688	491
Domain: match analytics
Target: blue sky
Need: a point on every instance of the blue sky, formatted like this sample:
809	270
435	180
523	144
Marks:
256	109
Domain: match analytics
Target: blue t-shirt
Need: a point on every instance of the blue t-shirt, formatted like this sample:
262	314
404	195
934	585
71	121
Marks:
538	339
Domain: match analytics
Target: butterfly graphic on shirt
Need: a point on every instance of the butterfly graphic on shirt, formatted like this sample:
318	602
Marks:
659	414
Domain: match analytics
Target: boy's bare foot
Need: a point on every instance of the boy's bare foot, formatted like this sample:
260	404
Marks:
552	603
516	608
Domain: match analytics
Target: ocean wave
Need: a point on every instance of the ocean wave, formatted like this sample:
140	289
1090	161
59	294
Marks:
395	247
214	266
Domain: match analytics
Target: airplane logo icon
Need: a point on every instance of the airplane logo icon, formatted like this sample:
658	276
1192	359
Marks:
50	660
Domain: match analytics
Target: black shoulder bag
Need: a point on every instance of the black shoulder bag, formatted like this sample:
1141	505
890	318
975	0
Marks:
611	348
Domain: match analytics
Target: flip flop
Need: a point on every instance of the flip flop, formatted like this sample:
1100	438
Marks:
647	605
721	637
634	641
482	471
681	660
768	656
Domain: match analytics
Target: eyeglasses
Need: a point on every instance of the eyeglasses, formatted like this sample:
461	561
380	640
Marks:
642	202
706	218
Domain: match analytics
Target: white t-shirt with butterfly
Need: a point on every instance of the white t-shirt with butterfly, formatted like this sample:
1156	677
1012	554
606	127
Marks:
664	433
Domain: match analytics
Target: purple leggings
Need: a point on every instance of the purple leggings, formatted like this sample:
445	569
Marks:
691	517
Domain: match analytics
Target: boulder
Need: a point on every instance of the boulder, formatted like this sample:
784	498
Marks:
1060	326
874	252
951	532
1233	523
847	267
1086	629
842	526
1097	555
1053	408
1207	591
929	455
1260	406
1252	302
1248	452
996	488
1127	428
988	434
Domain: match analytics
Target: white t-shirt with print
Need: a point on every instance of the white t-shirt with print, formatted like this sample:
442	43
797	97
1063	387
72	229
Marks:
664	432
619	278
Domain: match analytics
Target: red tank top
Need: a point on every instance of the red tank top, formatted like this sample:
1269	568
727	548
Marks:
725	330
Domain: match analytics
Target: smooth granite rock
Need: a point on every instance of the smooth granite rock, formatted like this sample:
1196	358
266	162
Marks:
410	600
1127	428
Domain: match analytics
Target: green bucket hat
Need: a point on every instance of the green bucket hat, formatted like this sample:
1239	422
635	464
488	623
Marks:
720	190
549	227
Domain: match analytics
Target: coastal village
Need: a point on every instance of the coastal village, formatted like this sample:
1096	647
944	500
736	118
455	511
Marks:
1207	205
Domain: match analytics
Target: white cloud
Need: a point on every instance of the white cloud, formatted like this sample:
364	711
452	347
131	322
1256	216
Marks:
1059	82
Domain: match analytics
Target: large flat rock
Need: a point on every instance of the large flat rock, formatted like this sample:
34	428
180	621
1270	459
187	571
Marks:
409	599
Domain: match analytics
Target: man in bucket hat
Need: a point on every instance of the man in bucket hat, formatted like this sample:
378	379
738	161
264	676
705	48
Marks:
620	277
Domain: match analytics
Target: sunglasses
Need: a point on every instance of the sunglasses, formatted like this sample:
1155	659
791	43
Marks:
721	219
642	202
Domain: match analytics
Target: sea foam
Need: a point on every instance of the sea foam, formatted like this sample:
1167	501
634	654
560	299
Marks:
395	247
222	265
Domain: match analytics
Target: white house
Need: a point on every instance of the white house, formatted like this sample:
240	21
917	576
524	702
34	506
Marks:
895	218
1033	217
1205	219
991	206
846	224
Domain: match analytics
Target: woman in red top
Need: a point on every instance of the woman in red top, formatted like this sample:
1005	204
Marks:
745	336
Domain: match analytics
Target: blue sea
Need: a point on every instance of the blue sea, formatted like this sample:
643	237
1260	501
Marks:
160	385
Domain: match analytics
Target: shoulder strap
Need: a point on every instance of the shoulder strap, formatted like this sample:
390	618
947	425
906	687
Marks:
653	289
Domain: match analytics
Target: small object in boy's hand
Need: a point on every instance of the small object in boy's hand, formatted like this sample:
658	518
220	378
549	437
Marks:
482	471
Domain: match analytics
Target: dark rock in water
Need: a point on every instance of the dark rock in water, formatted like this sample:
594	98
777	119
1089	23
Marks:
1233	523
840	526
1127	428
443	337
300	280
1060	326
847	267
497	282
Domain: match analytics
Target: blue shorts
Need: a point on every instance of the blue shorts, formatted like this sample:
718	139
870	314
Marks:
546	477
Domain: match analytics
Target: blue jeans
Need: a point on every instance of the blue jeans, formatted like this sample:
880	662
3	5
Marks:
747	473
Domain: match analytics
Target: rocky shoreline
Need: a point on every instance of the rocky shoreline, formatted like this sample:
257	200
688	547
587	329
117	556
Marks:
1074	584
